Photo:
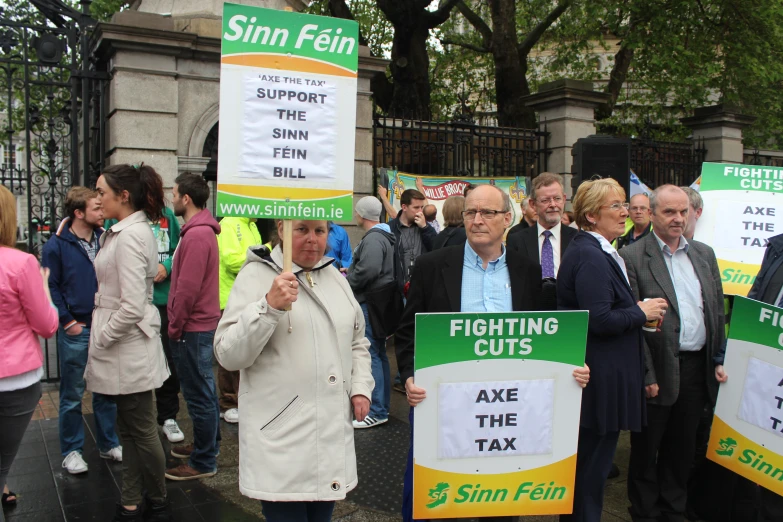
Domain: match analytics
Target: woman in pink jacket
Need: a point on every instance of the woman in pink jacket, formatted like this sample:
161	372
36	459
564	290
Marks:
26	311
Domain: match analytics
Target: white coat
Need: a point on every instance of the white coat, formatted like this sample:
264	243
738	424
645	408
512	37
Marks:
298	371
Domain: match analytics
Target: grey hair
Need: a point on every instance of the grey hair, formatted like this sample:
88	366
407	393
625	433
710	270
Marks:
525	203
655	193
694	198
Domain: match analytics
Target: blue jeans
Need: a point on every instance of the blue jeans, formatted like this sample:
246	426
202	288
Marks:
381	394
297	511
72	350
192	356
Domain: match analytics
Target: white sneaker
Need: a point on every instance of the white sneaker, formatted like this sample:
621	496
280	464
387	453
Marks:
368	422
74	463
231	415
113	454
172	431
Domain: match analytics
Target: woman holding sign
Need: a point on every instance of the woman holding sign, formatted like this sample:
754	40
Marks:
592	277
297	339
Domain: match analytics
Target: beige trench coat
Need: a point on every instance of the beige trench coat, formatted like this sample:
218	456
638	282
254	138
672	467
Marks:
298	371
126	354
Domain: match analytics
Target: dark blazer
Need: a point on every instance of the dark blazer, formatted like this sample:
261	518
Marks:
650	278
436	286
768	282
589	279
450	236
526	242
519	227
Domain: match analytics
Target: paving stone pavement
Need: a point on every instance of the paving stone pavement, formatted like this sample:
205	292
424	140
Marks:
47	493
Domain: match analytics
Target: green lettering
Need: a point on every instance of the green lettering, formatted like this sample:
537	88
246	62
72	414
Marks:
561	490
747	454
463	493
537	493
522	489
498	492
725	276
481	495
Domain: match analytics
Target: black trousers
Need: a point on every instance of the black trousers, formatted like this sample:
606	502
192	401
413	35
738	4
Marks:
593	461
662	454
167	396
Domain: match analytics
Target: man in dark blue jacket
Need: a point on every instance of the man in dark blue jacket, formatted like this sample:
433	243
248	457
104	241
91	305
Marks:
69	255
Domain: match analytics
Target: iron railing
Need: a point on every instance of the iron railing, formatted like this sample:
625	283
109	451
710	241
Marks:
660	162
763	158
457	149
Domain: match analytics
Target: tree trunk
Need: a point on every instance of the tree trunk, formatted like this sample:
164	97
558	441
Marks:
622	62
510	68
410	65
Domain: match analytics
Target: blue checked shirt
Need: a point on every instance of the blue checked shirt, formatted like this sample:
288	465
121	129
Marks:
485	290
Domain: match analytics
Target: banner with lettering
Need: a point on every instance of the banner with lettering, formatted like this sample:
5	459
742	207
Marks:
743	208
287	114
438	189
747	430
497	434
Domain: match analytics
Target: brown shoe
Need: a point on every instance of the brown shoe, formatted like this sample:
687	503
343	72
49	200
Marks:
182	452
185	472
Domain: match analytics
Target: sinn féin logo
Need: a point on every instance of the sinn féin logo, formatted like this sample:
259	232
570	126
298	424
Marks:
727	446
439	495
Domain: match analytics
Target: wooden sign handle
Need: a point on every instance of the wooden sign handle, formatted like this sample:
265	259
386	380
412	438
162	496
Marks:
288	240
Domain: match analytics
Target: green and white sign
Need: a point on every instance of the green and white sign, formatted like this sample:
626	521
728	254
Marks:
747	431
497	434
287	113
743	208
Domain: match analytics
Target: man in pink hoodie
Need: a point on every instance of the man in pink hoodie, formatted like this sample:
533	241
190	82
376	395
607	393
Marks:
194	311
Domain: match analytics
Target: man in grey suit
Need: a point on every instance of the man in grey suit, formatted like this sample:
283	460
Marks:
683	358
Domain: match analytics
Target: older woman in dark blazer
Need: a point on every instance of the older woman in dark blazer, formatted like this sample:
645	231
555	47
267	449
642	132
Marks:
592	277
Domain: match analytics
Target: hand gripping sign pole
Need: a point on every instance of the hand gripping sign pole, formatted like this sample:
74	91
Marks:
288	117
288	240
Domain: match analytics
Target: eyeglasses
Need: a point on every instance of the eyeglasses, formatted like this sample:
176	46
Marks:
547	201
639	209
616	206
486	215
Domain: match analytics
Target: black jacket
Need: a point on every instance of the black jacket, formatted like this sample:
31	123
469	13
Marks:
625	239
428	235
436	286
450	236
767	286
526	242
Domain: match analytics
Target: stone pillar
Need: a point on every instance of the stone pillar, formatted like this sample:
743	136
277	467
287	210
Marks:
369	66
720	127
566	110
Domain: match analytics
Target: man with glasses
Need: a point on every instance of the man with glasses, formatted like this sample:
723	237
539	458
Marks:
640	216
480	276
546	241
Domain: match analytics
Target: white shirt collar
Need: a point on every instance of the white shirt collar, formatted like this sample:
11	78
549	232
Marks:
555	231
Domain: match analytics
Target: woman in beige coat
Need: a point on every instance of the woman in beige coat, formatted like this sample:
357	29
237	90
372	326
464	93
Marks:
126	358
303	373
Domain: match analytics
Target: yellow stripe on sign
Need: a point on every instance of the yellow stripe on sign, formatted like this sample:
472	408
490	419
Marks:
281	192
737	278
548	490
738	453
284	63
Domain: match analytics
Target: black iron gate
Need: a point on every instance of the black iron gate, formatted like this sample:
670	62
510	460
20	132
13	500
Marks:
52	115
458	148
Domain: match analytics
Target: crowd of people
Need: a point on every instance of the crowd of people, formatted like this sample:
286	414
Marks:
143	306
